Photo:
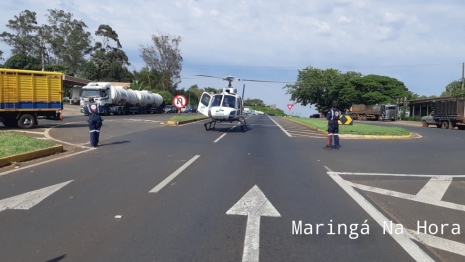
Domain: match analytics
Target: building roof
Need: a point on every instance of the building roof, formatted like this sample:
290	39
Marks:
71	80
432	100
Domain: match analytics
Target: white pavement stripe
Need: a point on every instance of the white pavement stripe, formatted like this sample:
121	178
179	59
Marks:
44	162
218	139
174	175
47	135
386	174
298	135
439	242
285	132
435	189
404	240
304	132
421	199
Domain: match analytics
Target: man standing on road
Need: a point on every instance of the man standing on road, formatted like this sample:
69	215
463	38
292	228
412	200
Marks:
95	121
333	127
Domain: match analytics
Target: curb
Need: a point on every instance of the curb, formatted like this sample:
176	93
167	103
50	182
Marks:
177	123
5	161
357	136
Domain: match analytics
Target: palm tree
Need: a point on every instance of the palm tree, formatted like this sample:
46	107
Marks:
138	85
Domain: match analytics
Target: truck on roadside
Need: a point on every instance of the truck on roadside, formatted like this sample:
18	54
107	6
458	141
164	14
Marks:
447	113
374	112
121	100
26	95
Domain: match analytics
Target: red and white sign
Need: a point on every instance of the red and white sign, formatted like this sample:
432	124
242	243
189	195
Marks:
179	101
290	106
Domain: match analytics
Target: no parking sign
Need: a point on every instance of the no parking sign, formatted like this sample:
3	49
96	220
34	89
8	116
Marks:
179	101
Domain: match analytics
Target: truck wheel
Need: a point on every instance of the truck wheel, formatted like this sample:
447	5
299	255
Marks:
26	121
438	126
424	124
461	127
106	111
445	125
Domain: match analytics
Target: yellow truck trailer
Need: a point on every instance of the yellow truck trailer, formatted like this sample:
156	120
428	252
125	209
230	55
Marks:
26	95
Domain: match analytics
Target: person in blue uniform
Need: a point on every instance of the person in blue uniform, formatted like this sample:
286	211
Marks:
333	127
95	121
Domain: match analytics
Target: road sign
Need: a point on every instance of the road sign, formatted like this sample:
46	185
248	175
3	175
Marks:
345	120
179	101
290	106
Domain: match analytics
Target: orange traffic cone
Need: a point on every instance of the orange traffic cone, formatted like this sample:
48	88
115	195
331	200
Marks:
61	116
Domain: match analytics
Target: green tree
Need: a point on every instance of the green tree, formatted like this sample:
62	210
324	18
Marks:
23	61
255	101
454	88
24	38
151	77
67	40
165	57
1	55
110	60
138	85
212	90
322	87
317	87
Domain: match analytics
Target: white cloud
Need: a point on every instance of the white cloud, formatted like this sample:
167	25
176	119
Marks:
273	39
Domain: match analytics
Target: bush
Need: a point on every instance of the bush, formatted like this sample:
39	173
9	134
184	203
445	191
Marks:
412	118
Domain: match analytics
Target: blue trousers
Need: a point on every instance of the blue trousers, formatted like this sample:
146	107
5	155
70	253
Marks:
94	128
333	131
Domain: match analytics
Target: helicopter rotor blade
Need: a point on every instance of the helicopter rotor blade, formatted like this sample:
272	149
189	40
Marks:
210	76
265	81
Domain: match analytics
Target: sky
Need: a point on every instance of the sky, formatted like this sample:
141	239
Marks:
418	42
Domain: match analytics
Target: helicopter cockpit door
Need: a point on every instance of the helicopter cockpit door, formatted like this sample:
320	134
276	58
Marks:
204	103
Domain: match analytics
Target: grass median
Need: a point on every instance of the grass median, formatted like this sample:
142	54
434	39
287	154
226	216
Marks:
356	128
180	118
12	143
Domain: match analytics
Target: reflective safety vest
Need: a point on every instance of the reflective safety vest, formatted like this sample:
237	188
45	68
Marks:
93	109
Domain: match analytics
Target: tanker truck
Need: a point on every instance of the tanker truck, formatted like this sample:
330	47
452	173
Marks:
119	100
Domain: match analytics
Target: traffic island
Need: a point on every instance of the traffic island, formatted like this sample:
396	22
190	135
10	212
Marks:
5	161
396	132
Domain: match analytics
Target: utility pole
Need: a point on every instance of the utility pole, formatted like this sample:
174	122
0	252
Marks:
43	54
463	71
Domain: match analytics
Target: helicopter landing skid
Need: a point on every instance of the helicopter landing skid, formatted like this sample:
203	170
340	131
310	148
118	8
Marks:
211	125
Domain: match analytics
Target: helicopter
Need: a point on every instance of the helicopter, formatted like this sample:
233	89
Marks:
226	106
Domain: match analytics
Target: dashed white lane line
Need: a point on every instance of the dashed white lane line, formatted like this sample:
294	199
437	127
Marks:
285	132
173	175
218	139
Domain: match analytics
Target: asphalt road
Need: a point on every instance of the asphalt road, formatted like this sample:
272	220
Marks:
366	181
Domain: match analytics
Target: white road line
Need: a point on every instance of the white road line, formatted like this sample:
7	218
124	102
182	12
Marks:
385	174
303	132
44	162
435	189
439	242
422	198
218	139
173	175
20	131
47	135
404	240
298	135
285	132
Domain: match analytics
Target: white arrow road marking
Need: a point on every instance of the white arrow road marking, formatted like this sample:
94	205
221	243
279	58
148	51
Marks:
253	204
30	199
